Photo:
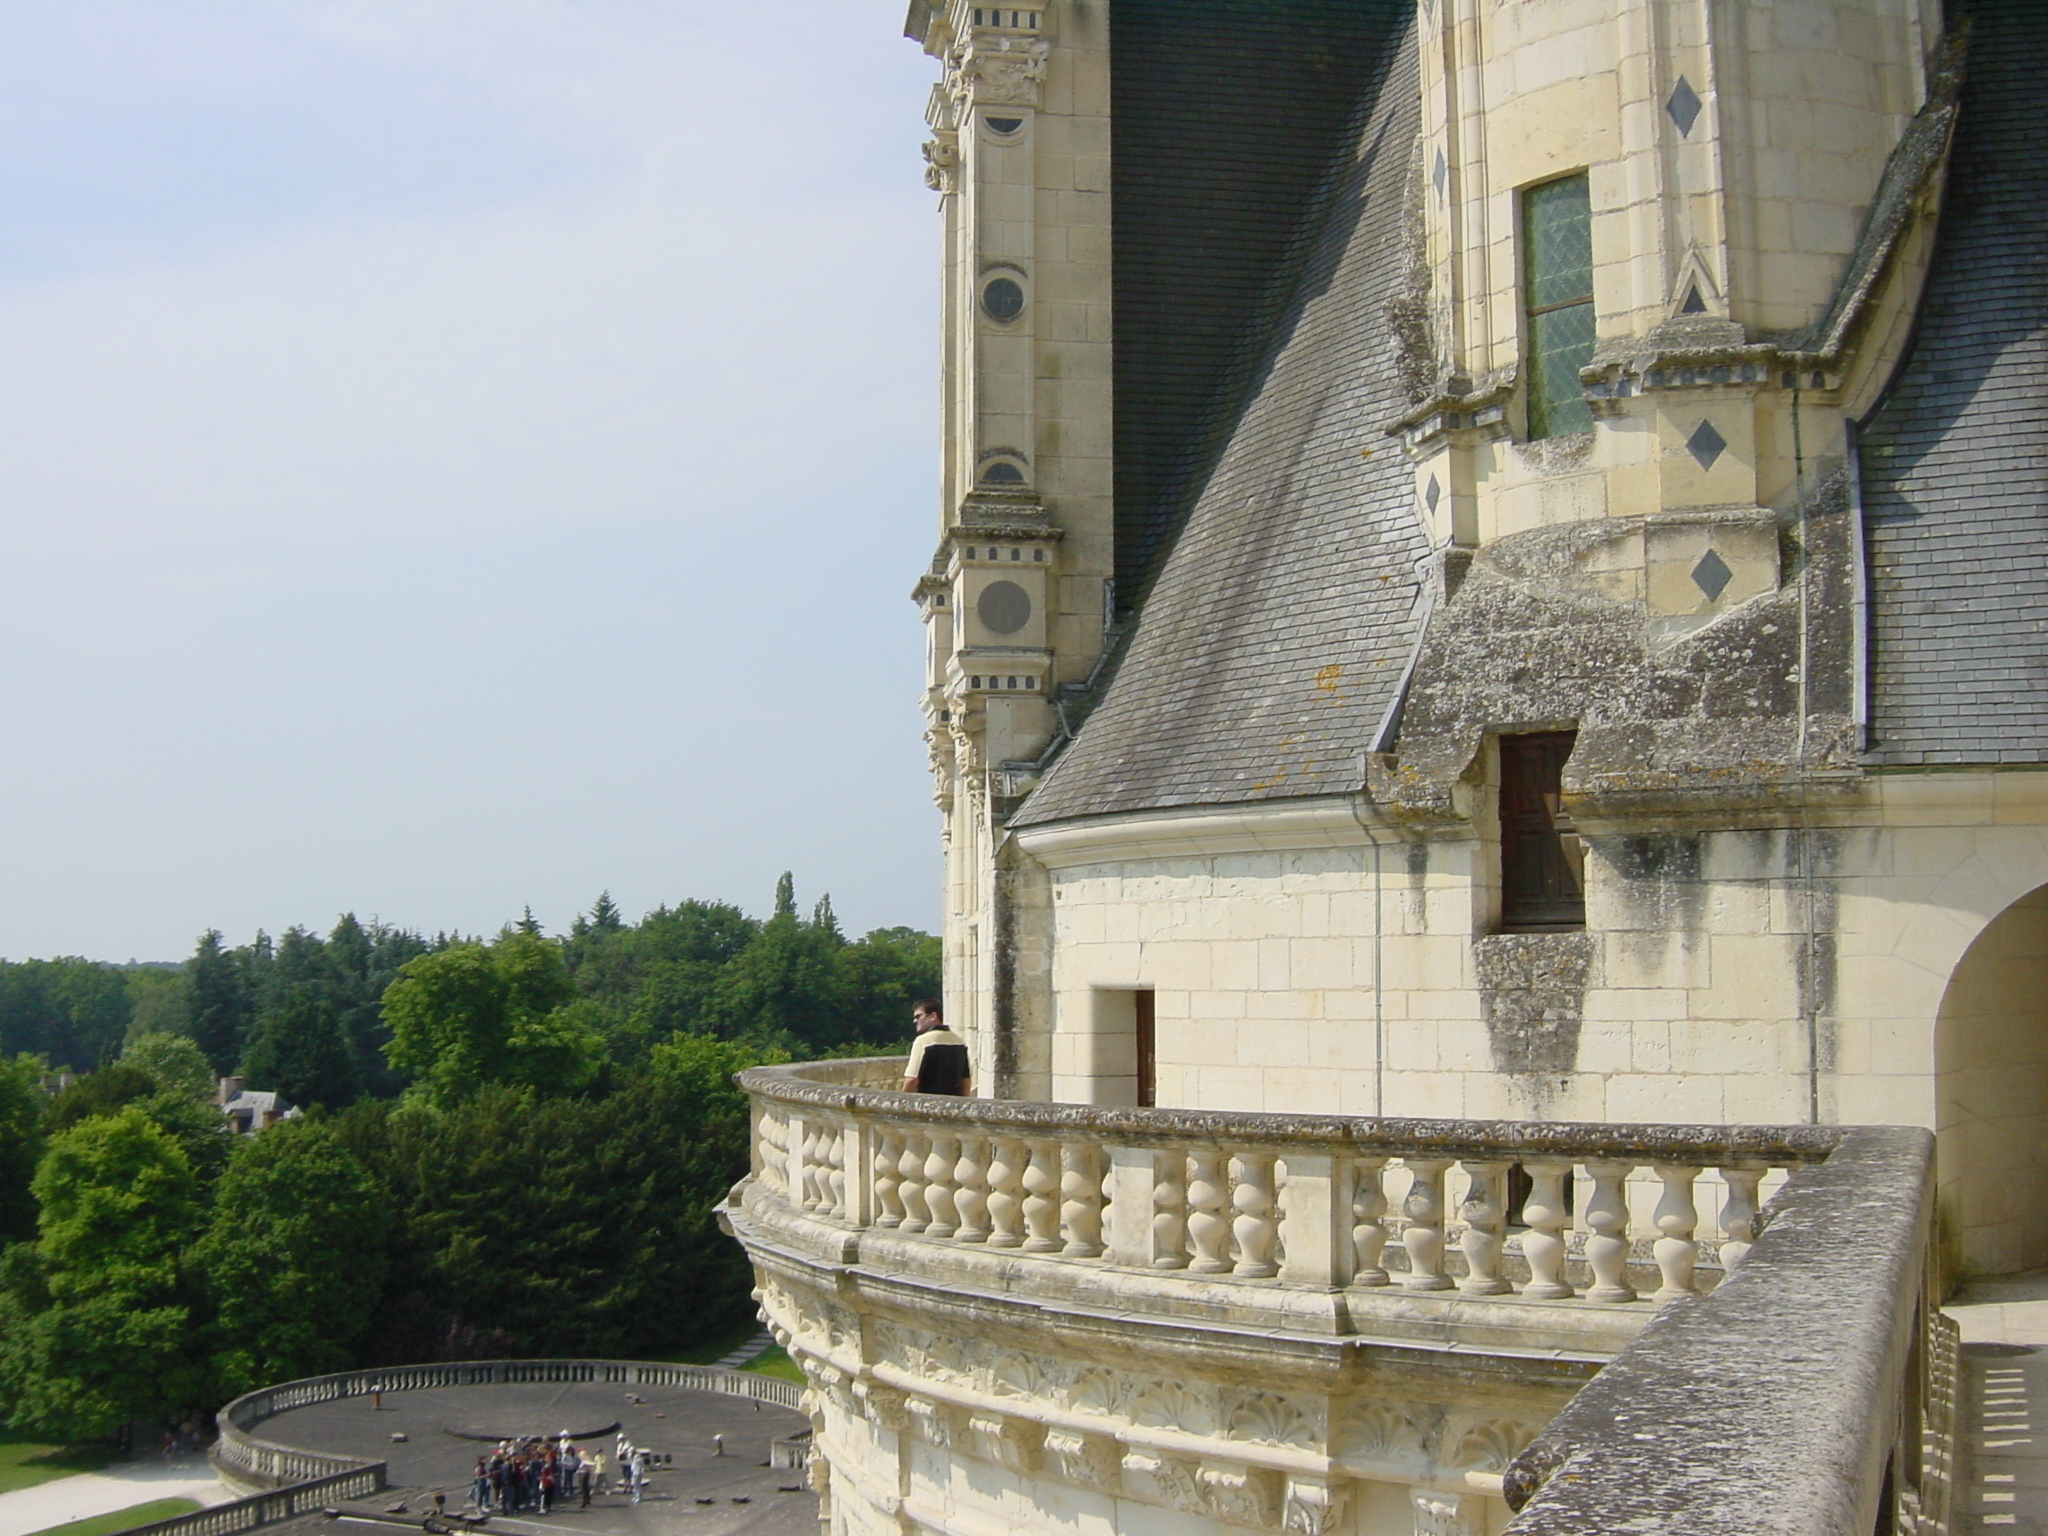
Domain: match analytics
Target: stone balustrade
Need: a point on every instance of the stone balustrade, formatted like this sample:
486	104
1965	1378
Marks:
1327	1324
1610	1214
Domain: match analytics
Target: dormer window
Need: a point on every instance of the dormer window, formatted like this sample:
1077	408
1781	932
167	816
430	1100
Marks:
1557	294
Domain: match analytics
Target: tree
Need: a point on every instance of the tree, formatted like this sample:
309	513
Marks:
221	1005
567	1224
293	1258
100	1327
195	1124
300	1053
159	1001
782	989
74	1012
173	1063
472	1014
21	1144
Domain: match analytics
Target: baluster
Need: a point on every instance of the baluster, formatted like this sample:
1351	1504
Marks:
1485	1216
1423	1237
1607	1236
938	1187
1676	1217
813	1174
1252	1195
1081	1199
1369	1221
1041	1206
1739	1213
888	1154
917	1215
1169	1210
1208	1229
970	1197
836	1138
1543	1245
1006	1192
1106	1211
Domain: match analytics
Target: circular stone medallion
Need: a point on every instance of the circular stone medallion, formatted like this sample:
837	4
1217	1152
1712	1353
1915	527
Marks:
1003	607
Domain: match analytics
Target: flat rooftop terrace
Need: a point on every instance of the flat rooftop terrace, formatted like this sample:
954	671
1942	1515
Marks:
446	1428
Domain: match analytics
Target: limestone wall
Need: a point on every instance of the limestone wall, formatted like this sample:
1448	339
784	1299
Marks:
1314	961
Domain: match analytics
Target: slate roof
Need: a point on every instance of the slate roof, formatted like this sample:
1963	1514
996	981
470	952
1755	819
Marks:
1276	628
1955	462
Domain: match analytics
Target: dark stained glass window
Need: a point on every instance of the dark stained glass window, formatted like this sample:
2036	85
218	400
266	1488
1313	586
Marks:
1557	287
1542	864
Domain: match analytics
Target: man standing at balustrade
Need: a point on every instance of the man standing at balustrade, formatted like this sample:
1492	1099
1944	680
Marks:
938	1057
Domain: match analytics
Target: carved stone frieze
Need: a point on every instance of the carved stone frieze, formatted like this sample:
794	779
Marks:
1008	72
1314	1507
1378	1433
1170	1405
1273	1420
934	1421
1087	1461
1438	1513
1240	1495
1489	1445
1163	1480
1011	1444
1099	1391
942	163
882	1406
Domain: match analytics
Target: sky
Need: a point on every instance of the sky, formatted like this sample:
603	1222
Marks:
459	456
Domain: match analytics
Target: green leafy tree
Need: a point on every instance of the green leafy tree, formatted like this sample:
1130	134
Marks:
105	1092
100	1326
196	1125
475	1014
299	1051
220	1001
71	1011
174	1063
294	1258
780	991
21	1144
880	978
159	1001
565	1224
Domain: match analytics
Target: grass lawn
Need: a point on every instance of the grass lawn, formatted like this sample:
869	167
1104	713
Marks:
25	1462
773	1362
713	1349
124	1519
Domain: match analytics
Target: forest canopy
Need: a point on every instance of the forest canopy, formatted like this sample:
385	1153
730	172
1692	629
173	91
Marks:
509	1145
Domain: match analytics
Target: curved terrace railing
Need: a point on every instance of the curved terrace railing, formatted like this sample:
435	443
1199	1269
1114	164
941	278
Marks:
1613	1214
301	1482
245	1457
1808	1356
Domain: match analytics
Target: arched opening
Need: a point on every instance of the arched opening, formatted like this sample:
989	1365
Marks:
1991	1120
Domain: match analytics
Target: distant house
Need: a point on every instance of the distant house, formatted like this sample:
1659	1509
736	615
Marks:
252	1111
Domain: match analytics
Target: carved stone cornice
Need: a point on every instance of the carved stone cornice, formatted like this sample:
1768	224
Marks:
1459	411
1005	71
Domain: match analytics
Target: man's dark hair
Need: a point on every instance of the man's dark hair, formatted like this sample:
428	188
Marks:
929	1005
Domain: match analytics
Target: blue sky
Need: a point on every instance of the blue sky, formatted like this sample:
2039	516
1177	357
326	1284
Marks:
456	456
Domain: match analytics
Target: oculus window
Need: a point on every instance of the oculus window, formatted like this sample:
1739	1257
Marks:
1557	289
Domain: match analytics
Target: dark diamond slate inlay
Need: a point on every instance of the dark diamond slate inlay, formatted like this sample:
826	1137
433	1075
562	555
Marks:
1434	494
1684	106
1705	445
1711	575
1441	173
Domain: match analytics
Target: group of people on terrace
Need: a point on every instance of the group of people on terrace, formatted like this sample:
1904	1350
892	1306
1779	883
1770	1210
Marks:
541	1474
